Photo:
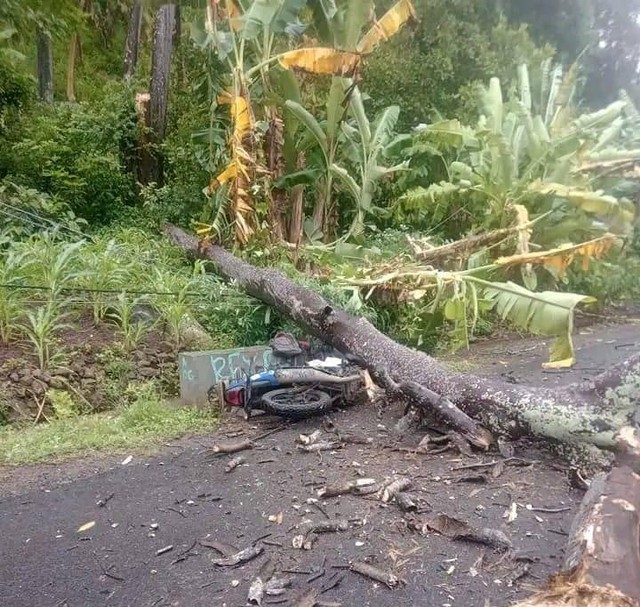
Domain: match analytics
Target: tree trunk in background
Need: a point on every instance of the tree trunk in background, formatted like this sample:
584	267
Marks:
164	35
44	66
72	58
277	199
132	44
143	162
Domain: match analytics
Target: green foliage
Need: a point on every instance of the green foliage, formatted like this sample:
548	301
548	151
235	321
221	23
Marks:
131	329
26	211
144	422
112	268
366	146
64	407
4	410
118	367
16	91
10	301
42	329
78	154
531	150
609	280
434	67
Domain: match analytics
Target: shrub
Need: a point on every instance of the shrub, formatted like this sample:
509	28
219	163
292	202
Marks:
433	68
16	90
77	153
26	211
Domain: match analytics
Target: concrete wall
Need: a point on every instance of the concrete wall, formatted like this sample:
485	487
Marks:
201	370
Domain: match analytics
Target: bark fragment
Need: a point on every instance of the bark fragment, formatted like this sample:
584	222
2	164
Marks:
239	557
232	447
384	577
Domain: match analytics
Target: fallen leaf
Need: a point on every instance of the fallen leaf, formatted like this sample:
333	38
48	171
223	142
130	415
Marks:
86	526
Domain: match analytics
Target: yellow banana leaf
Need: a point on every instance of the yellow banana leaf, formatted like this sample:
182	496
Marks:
229	174
591	202
238	172
321	60
386	27
558	260
241	119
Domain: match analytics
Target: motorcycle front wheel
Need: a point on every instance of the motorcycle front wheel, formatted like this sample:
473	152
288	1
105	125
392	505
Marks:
294	404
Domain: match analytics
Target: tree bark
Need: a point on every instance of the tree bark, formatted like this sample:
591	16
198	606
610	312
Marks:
580	413
602	564
143	162
275	165
44	65
164	35
72	57
132	44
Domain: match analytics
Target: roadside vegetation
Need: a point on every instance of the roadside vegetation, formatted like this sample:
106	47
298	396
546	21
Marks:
452	169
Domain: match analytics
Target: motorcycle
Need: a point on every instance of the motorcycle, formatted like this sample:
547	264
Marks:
295	388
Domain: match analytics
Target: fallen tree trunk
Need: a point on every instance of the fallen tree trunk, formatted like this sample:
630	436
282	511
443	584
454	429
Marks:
591	413
602	564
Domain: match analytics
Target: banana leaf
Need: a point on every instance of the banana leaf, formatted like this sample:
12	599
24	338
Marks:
546	313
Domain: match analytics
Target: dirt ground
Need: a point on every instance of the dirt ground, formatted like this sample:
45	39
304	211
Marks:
182	498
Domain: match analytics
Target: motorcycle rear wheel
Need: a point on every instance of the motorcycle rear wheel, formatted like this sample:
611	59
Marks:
294	404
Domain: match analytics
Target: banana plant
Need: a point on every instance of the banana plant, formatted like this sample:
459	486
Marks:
244	37
249	37
534	153
340	24
367	145
464	296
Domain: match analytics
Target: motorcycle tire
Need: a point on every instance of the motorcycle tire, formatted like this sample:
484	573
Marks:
296	405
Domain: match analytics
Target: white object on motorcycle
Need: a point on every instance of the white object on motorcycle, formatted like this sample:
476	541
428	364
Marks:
328	362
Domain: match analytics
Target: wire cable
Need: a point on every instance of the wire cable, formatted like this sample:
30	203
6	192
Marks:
45	220
10	285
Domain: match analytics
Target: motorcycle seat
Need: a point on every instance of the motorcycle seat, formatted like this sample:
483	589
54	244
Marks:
285	345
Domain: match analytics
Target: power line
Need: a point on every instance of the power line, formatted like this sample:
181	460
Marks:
89	290
42	220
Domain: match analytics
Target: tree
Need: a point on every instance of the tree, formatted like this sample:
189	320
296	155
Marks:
480	408
44	65
133	41
164	37
431	68
602	558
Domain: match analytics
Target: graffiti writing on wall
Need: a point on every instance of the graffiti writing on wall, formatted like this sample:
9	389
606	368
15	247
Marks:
224	366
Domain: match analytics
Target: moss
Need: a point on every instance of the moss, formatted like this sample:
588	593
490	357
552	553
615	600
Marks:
625	398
